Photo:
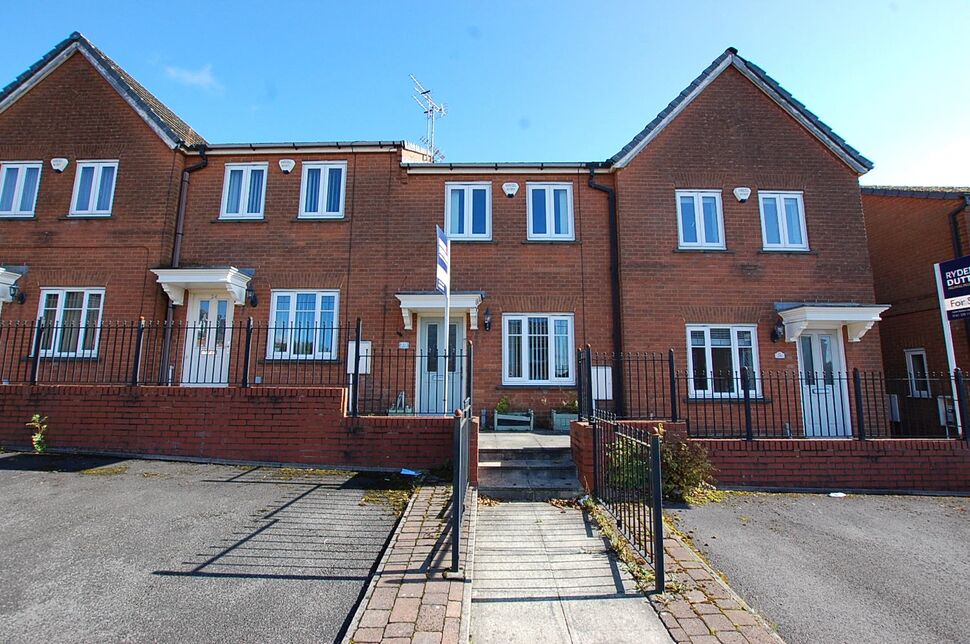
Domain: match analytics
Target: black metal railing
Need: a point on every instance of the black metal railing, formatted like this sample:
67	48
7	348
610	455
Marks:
773	404
460	471
627	482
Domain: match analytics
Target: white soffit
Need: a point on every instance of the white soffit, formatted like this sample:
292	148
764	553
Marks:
176	281
856	319
434	304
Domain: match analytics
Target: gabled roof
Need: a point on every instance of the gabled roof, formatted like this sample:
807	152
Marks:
173	130
925	192
769	86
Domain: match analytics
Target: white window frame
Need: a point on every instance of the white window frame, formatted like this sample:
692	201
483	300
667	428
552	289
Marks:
914	391
550	187
524	380
99	167
247	169
697	196
53	351
317	354
18	190
735	360
468	187
324	167
779	196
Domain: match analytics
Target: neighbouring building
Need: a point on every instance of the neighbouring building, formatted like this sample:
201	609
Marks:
910	229
730	230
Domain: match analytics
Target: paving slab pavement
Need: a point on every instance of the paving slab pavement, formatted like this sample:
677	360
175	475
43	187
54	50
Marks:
544	574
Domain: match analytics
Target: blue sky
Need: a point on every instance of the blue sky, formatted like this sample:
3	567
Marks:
524	81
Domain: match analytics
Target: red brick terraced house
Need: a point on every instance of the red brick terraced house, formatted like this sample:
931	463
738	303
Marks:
729	230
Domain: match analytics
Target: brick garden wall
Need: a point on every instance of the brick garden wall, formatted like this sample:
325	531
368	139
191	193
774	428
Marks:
885	464
282	425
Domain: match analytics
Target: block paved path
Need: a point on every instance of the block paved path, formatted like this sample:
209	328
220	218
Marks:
544	574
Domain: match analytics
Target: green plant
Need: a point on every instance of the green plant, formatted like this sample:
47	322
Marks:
628	463
38	424
688	474
571	406
503	405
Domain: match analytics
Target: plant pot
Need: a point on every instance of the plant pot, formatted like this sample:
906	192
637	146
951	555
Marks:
514	421
561	420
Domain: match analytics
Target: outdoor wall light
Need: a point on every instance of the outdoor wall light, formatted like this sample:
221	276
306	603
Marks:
742	194
251	296
59	164
778	331
488	319
17	295
287	165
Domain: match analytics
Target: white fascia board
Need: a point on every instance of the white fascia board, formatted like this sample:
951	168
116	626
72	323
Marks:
443	168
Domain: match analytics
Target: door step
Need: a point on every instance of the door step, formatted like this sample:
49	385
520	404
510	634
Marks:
533	474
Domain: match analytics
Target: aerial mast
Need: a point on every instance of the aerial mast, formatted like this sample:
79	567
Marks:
432	109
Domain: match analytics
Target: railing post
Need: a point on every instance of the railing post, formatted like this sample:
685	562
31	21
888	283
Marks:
35	364
136	358
355	379
469	364
580	403
656	484
860	414
673	385
745	380
962	402
588	396
247	351
456	493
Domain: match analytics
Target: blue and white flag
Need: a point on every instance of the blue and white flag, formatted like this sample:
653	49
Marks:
443	272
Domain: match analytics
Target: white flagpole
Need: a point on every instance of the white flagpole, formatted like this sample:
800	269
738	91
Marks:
448	356
950	355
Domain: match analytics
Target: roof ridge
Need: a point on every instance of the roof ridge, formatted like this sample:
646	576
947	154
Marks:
160	114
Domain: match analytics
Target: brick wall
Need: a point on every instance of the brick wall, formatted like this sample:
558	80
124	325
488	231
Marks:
885	464
282	425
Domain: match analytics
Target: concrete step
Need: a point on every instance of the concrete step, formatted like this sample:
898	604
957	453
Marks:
527	483
563	462
525	453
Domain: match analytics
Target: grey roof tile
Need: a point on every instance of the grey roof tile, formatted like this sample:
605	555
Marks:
925	192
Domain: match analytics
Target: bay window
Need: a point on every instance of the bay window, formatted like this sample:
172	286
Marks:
715	356
303	325
538	349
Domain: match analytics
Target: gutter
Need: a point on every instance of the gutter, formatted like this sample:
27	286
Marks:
177	256
618	393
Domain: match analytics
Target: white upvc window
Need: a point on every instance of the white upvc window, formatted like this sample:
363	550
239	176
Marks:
303	325
19	181
322	189
700	219
244	191
94	188
783	220
537	349
468	210
716	353
917	373
550	211
70	322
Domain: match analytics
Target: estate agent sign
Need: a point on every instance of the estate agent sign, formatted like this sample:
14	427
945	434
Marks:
954	277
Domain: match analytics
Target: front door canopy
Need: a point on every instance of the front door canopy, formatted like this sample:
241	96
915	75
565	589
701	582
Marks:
856	318
434	304
229	279
8	278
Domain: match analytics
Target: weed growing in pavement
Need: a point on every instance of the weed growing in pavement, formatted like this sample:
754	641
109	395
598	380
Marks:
634	563
290	473
392	490
110	470
38	425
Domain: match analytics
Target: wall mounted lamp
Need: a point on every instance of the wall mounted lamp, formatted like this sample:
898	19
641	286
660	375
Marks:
487	321
778	331
251	296
17	295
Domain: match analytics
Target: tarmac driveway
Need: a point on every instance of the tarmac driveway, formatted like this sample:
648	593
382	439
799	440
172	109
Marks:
854	569
161	551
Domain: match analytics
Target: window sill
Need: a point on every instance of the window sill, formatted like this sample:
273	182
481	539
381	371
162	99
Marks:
85	216
239	220
550	241
563	385
787	251
319	218
734	400
10	216
471	240
62	359
297	360
703	250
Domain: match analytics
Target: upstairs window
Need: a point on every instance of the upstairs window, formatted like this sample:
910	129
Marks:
70	322
94	188
303	325
550	211
538	349
18	188
244	191
783	221
700	219
468	210
716	354
322	192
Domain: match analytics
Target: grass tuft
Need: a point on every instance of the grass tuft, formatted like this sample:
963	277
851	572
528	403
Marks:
109	470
